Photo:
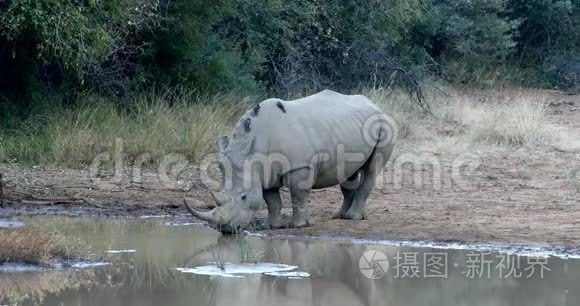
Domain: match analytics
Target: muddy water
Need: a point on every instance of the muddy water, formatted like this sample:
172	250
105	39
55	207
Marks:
157	262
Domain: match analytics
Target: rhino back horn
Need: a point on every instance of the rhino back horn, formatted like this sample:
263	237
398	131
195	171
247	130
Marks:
219	197
222	143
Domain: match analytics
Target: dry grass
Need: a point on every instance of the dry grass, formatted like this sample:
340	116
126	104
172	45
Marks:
501	118
397	105
516	120
153	126
37	246
33	288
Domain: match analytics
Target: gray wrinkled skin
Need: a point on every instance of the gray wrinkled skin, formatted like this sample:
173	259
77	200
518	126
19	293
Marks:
319	141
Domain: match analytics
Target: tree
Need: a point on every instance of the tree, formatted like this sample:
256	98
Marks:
475	34
90	40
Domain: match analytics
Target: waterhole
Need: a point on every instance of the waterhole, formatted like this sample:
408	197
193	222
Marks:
158	261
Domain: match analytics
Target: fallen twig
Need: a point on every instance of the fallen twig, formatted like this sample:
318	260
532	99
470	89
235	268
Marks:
563	150
53	199
36	200
48	202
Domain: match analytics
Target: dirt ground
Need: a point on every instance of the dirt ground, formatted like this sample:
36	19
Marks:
514	195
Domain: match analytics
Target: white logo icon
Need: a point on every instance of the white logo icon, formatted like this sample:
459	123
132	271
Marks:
373	264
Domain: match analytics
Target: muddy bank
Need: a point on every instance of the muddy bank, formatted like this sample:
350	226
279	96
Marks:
535	204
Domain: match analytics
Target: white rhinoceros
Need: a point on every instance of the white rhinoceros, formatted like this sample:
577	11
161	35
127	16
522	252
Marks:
314	142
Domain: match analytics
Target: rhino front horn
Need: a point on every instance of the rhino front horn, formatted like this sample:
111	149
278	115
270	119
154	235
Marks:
209	216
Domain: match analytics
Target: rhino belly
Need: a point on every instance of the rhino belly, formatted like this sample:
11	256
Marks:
333	173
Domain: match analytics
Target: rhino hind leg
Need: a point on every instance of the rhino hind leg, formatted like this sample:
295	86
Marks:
370	171
360	196
348	196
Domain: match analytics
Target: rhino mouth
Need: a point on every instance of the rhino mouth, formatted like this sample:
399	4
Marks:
217	217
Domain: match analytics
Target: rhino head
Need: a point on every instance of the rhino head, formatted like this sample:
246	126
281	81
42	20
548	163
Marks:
242	189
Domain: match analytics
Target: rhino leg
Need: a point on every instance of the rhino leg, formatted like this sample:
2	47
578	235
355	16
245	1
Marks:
370	171
348	189
300	214
272	198
300	183
361	194
348	195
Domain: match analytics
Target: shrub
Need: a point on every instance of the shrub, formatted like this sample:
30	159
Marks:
548	29
471	35
90	40
157	124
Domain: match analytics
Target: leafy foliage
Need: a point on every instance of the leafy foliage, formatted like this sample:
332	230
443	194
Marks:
192	48
473	33
548	28
117	47
90	38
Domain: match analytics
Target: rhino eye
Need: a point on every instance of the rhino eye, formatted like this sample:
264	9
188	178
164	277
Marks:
244	197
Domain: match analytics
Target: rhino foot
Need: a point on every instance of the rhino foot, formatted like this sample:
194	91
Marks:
338	215
276	225
272	224
301	223
354	215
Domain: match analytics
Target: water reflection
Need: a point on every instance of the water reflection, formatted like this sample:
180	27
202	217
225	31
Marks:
34	287
148	276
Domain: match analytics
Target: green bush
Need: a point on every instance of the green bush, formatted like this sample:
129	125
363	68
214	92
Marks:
192	49
119	47
469	36
548	37
88	40
549	28
285	46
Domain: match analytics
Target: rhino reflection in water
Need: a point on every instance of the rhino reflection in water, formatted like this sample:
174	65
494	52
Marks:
315	142
335	278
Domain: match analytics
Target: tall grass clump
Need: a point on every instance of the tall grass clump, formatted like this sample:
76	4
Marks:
37	246
149	125
513	121
249	253
398	106
499	117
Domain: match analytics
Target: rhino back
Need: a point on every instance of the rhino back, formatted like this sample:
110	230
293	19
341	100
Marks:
301	130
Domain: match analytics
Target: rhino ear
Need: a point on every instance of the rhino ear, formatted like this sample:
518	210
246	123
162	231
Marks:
222	143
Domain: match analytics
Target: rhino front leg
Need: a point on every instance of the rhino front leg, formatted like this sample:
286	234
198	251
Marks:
300	183
272	198
300	214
